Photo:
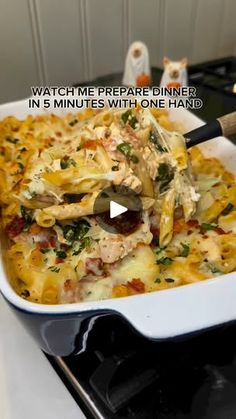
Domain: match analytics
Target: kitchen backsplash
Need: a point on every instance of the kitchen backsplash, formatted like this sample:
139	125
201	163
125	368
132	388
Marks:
58	42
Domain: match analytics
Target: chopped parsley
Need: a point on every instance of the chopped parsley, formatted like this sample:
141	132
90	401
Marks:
213	268
169	280
12	140
207	226
115	168
153	138
26	215
227	209
74	122
25	293
157	280
160	248
78	148
79	246
21	166
23	149
44	250
126	149
129	118
165	175
67	162
164	261
185	250
54	269
134	159
61	254
75	235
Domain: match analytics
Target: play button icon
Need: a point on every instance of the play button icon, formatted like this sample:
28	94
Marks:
118	210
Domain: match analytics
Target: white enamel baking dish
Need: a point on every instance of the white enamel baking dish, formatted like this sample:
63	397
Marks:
158	315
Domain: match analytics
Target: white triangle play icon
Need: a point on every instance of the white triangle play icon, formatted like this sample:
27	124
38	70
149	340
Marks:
116	209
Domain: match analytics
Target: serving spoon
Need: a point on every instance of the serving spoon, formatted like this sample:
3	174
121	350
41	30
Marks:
224	125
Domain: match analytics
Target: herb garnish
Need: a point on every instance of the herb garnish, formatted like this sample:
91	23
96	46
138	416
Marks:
185	251
12	140
61	254
126	149
67	162
164	261
79	246
129	118
21	166
54	269
153	139
165	175
169	280
157	280
134	159
213	268
75	235
115	168
25	213
207	226
160	249
44	250
25	293
74	122
228	209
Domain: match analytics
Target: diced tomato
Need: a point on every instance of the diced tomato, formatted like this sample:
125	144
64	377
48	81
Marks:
155	232
193	223
68	285
219	230
94	266
44	244
53	241
15	227
179	225
91	144
64	247
136	285
59	260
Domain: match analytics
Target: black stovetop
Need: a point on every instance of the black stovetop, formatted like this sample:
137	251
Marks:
122	375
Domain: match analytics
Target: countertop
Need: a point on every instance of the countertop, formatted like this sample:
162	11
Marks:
29	386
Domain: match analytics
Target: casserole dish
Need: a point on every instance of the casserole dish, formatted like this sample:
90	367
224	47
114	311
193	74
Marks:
62	329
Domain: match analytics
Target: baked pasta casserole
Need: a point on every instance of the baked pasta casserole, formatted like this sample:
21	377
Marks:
51	171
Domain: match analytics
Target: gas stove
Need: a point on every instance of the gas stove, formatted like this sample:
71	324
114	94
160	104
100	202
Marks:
219	75
118	374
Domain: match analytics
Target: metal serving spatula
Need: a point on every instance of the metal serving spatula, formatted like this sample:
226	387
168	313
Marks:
225	125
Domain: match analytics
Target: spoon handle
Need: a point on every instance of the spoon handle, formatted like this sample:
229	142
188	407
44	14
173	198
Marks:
228	123
225	125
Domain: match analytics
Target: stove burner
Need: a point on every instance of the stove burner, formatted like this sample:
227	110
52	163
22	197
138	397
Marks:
123	376
219	75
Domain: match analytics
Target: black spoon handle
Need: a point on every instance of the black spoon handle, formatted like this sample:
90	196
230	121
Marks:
225	125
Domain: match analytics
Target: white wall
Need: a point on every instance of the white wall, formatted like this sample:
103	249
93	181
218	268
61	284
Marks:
58	42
